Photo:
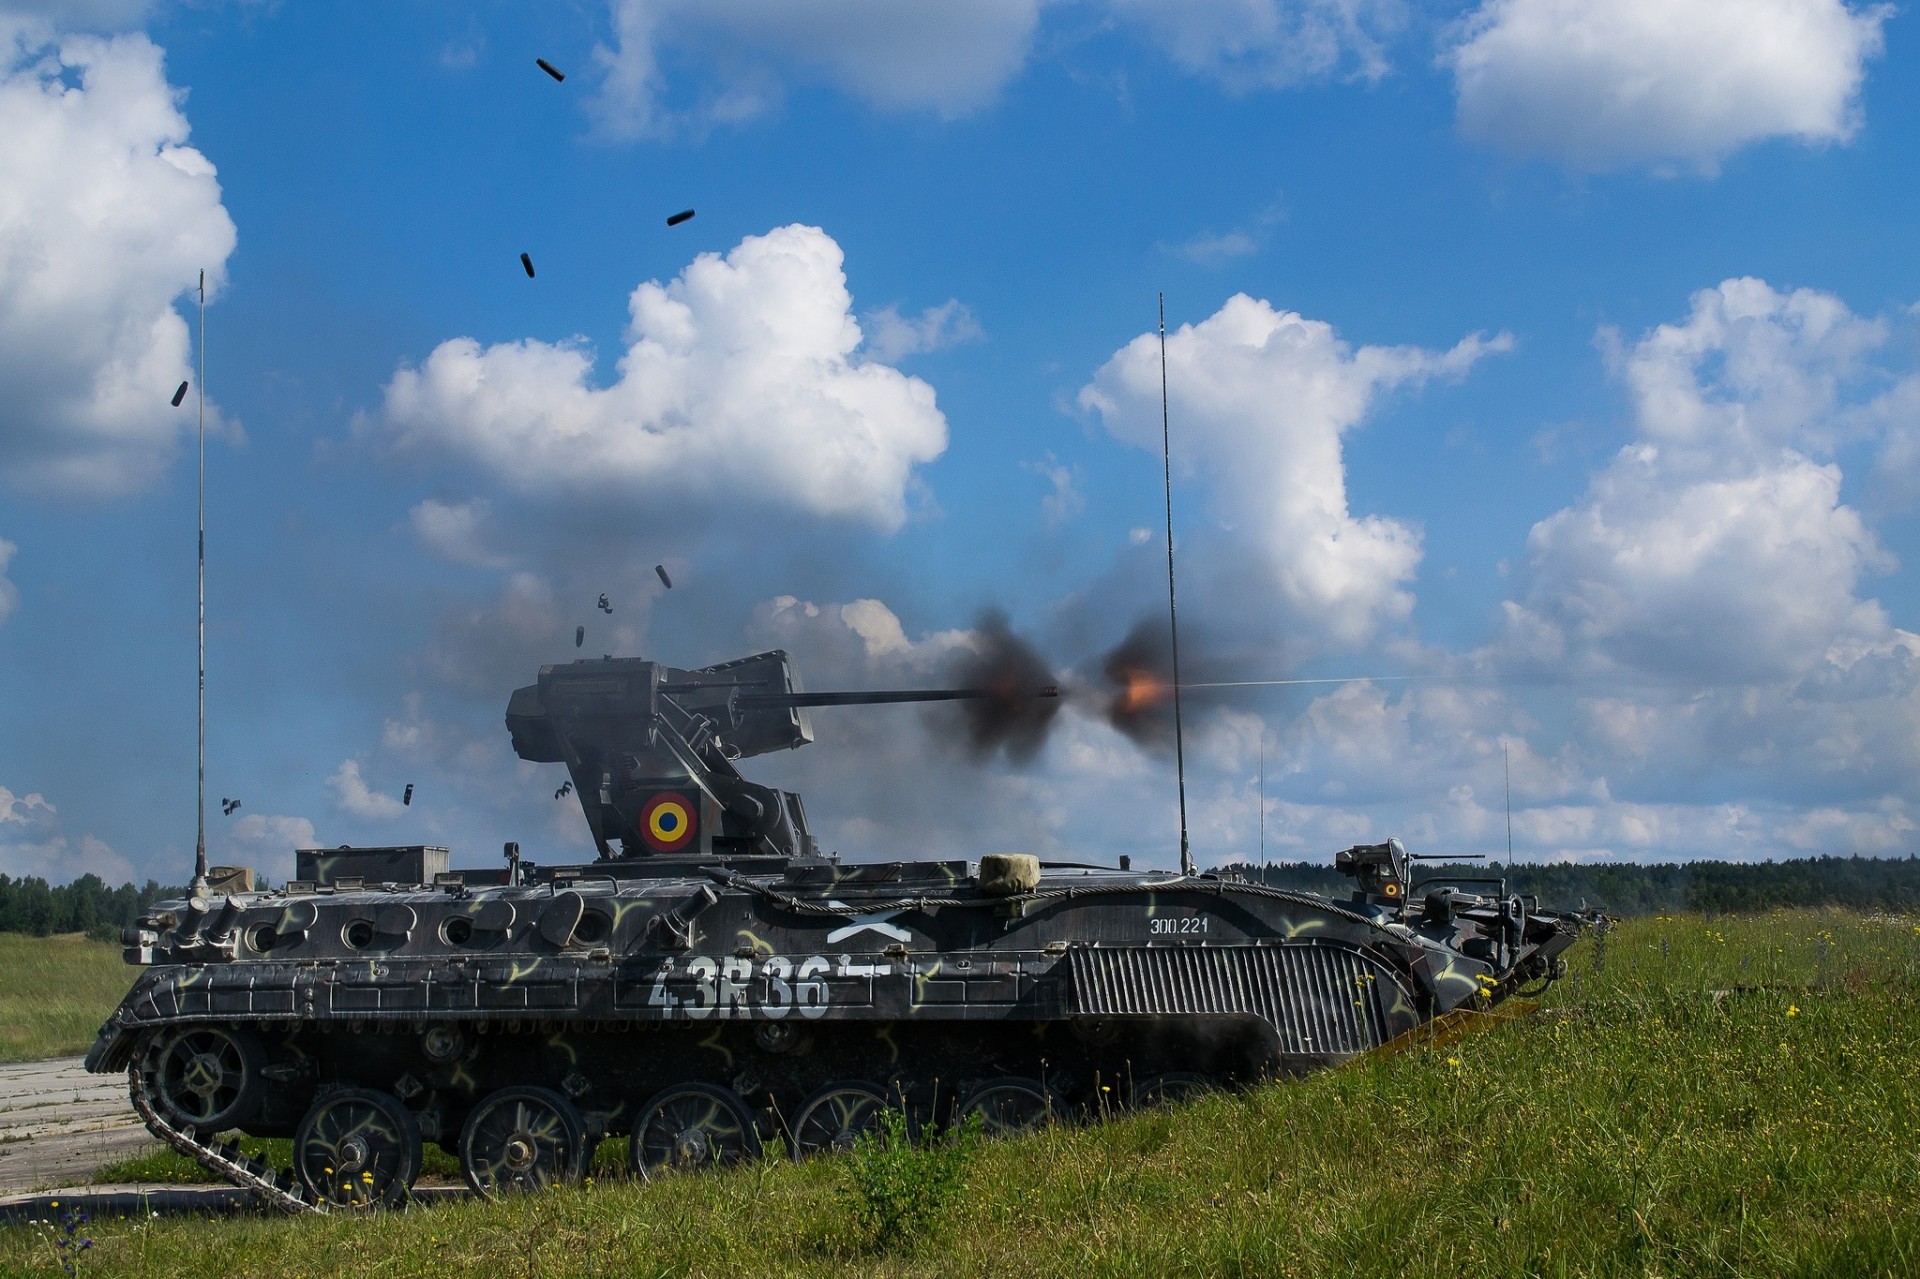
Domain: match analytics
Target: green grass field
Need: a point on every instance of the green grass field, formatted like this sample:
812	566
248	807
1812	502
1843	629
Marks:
1730	1096
55	992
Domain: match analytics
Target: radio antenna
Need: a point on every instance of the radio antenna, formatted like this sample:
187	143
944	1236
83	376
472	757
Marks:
200	792
1263	801
1507	770
1173	621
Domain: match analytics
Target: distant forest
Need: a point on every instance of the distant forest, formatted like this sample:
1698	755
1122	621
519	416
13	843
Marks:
87	905
1629	888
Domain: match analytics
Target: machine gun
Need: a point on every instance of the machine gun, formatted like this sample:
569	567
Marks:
652	749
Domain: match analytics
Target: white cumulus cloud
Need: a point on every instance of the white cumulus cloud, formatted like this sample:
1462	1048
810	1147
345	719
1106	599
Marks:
417	737
23	810
891	335
1260	399
741	385
1884	829
949	59
1601	84
1737	689
457	532
1264	44
353	794
675	66
1707	672
1216	249
1715	546
81	15
106	217
266	842
1736	578
33	842
1065	498
1775	364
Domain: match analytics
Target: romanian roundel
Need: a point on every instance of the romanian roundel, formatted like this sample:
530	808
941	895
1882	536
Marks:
667	822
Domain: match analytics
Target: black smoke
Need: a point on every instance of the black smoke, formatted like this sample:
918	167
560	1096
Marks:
1139	693
1137	681
1014	719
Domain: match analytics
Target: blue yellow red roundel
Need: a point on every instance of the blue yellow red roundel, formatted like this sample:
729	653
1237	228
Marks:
667	822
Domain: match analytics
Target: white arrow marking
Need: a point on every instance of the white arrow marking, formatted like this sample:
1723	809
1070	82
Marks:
876	922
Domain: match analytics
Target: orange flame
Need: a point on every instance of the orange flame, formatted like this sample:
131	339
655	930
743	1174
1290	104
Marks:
1139	689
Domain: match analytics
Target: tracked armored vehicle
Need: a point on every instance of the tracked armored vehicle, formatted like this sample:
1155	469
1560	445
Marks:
712	981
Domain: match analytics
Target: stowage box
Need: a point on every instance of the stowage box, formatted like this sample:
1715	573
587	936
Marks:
401	864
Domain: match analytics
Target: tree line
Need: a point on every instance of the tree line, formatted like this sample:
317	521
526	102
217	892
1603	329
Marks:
87	905
1634	888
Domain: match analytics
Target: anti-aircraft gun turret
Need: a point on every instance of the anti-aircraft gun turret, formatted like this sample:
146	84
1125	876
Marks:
652	749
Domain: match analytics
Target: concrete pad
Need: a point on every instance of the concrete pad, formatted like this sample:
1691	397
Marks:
58	1123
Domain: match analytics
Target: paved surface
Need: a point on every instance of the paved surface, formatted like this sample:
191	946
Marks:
58	1123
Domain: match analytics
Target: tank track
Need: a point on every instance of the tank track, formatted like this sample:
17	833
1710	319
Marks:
276	1190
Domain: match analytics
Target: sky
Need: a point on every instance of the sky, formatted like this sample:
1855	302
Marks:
1543	377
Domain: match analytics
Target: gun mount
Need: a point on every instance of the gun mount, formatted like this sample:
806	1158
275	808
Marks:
652	749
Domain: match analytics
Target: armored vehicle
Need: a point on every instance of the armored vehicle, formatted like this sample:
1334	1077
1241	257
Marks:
713	982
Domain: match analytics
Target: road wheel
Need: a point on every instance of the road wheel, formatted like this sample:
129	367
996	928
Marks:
837	1115
1171	1088
1010	1105
522	1139
692	1126
358	1148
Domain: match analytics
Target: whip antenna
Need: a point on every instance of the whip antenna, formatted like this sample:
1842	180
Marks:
1507	770
1263	801
200	793
1173	621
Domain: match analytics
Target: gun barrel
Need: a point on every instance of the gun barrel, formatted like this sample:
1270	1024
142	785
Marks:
784	700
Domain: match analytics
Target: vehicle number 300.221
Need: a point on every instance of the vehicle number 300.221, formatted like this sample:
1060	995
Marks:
727	988
1178	926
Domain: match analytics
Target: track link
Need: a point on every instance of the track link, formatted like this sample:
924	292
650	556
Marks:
282	1191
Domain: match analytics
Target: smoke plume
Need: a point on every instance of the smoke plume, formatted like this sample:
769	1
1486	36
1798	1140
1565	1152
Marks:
1140	672
1014	719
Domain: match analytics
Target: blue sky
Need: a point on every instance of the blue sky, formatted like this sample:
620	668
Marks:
1559	354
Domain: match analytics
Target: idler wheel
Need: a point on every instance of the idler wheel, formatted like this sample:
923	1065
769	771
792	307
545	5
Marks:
358	1148
1170	1089
203	1077
522	1139
691	1126
836	1116
1010	1105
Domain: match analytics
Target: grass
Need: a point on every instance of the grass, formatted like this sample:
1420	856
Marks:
160	1166
1728	1096
55	992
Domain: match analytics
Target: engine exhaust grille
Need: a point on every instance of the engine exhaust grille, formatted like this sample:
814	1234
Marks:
1320	999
